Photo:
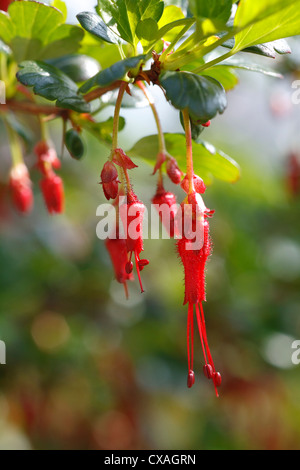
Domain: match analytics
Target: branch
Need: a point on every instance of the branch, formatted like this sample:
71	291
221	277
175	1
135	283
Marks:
31	107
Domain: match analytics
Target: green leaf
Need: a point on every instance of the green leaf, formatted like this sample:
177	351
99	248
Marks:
78	67
61	6
203	96
96	26
284	23
7	28
50	83
208	161
106	54
147	29
101	130
115	72
35	31
171	13
212	9
252	11
74	144
225	75
268	49
237	63
127	14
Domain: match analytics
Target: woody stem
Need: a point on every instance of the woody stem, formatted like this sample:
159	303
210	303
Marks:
189	150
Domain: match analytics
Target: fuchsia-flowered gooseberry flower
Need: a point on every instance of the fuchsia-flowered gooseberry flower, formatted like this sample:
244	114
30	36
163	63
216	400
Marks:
20	186
166	200
198	184
161	158
132	214
120	158
51	185
117	250
173	171
194	263
53	192
110	181
47	157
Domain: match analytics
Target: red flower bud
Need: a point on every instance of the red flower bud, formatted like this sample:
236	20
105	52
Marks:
20	186
109	180
167	208
198	184
120	158
53	192
173	171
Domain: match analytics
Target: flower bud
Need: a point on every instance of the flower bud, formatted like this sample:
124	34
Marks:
173	171
53	192
109	180
20	186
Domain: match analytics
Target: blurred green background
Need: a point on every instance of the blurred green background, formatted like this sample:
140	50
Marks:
88	370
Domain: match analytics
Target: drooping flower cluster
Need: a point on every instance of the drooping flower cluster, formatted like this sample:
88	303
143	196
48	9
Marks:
128	246
51	184
187	224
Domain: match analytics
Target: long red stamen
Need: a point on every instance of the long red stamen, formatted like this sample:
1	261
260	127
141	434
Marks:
205	338
126	290
216	376
200	327
138	272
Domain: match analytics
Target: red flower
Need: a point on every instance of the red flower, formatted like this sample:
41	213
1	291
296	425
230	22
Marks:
198	184
173	171
161	158
20	186
47	157
117	250
4	4
120	158
132	214
109	181
53	192
194	263
165	200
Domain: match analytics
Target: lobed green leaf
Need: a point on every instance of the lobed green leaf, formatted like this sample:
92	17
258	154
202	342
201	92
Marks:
51	83
203	96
